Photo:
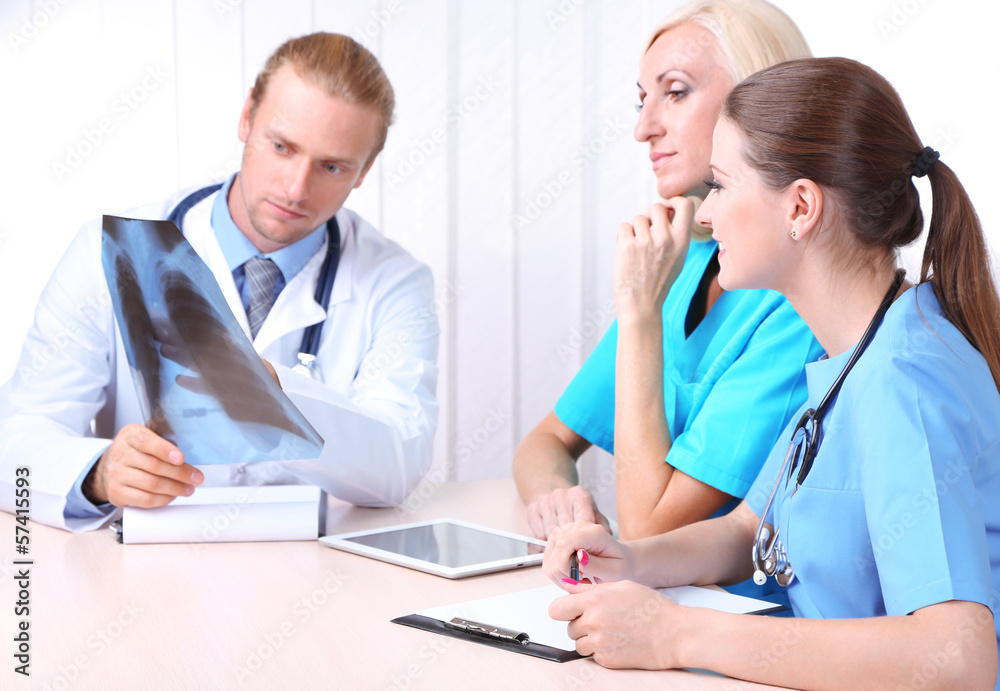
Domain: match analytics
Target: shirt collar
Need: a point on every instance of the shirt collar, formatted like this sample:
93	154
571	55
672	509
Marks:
237	249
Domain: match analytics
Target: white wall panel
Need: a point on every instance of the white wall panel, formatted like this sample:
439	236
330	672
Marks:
139	162
52	105
482	120
548	216
416	209
265	28
210	70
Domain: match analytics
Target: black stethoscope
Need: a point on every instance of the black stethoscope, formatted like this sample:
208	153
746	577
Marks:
324	286
769	555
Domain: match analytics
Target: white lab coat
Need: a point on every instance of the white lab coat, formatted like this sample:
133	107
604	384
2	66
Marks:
72	390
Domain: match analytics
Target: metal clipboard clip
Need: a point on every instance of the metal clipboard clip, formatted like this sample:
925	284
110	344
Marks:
475	627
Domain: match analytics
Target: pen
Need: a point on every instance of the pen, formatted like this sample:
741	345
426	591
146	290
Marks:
574	567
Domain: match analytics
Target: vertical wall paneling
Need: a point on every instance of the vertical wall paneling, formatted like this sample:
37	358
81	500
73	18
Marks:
508	169
210	76
415	162
548	215
264	29
24	60
48	56
364	21
140	154
481	116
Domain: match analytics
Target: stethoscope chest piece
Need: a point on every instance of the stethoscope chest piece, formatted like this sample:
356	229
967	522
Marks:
785	576
307	366
770	558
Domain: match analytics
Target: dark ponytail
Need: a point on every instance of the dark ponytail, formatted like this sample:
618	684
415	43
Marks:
956	262
840	124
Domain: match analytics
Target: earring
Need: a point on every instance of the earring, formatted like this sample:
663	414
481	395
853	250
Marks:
791	233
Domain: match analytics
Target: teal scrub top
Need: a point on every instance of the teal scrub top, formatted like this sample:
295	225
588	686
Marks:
728	389
899	510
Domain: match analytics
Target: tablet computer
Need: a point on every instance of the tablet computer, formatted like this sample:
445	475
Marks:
443	547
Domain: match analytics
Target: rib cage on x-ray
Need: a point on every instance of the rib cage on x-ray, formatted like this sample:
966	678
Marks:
199	381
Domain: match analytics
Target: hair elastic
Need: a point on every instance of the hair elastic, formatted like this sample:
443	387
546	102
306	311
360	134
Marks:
925	162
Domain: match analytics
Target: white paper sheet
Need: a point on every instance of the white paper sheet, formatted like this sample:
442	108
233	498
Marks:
263	513
528	610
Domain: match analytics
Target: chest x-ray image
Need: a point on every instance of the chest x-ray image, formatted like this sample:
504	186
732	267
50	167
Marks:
200	383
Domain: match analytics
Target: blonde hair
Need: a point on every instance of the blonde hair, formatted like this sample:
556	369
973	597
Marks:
751	34
341	67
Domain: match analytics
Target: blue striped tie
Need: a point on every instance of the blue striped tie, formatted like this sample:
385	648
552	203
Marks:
261	275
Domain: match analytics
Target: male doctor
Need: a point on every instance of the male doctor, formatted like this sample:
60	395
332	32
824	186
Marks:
312	125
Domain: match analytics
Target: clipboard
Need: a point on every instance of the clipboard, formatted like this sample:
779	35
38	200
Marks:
419	621
501	621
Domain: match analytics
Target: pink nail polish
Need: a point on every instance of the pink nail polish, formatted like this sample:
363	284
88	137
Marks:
585	558
570	581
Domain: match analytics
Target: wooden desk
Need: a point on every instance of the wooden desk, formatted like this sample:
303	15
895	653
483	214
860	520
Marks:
286	615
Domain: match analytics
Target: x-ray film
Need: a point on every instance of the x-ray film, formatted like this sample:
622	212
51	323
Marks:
200	383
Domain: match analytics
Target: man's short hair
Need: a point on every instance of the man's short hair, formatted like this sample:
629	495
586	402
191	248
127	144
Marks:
341	67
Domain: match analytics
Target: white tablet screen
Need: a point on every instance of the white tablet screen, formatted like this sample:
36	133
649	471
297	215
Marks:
448	544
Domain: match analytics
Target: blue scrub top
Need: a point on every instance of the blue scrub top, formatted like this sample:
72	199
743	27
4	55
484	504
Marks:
728	389
900	508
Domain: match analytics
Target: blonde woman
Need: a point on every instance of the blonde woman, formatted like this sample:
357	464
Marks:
692	385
